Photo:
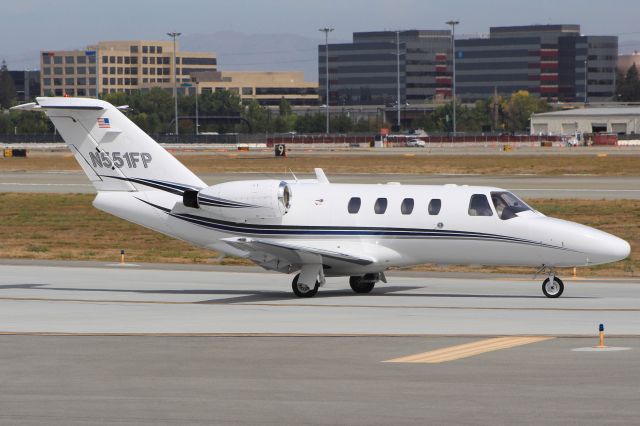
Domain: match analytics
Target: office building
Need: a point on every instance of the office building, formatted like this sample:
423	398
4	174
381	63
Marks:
265	87
551	61
367	70
118	66
27	84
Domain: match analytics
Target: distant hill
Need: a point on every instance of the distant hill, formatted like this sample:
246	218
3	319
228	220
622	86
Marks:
259	52
628	46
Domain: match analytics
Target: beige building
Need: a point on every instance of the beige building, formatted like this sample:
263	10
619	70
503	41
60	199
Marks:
625	61
266	87
620	120
118	66
126	66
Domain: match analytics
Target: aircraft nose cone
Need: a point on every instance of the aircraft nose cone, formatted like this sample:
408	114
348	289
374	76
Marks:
609	248
617	248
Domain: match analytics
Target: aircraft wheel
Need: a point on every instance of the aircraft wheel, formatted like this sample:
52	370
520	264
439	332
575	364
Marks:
553	289
303	290
360	286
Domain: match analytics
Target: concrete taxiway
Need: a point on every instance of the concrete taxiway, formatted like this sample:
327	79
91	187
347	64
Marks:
528	186
62	380
136	300
91	344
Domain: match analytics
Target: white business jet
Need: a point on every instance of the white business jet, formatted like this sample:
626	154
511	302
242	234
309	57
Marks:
313	227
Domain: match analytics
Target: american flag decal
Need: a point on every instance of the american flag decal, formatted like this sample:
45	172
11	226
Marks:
103	123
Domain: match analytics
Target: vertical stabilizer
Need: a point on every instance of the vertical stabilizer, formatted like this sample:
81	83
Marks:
115	154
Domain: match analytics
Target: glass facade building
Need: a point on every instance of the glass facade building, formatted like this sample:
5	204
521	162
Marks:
366	71
550	61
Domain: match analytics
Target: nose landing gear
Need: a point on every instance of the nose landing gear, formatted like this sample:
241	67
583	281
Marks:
553	286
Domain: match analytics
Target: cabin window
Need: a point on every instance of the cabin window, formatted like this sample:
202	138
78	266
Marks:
380	206
354	205
508	205
434	206
479	206
407	206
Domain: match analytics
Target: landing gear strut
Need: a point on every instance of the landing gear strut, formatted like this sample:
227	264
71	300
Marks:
303	290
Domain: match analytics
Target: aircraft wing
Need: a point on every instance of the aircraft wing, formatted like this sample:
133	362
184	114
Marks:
284	256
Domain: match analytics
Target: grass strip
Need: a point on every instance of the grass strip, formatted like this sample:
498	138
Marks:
499	164
66	226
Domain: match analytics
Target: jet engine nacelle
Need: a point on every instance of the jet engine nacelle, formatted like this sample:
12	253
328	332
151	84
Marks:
242	200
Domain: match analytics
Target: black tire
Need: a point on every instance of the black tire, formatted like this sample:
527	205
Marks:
360	286
301	292
554	290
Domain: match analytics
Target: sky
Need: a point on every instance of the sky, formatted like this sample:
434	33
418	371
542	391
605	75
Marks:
29	26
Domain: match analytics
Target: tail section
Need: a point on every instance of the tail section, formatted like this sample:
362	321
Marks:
115	154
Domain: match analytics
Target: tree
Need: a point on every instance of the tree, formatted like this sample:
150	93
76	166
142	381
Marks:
284	107
311	123
440	120
258	116
519	108
628	85
7	87
6	126
341	124
27	122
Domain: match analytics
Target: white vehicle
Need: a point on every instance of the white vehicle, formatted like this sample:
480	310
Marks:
314	227
417	143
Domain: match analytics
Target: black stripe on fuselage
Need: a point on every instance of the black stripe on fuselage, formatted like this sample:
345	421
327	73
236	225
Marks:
179	189
161	185
337	231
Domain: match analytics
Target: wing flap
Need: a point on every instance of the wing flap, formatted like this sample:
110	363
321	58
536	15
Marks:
280	255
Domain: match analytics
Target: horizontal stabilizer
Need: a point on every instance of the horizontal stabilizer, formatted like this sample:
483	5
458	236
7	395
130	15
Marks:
31	106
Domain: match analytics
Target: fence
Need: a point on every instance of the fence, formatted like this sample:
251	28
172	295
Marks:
402	140
306	139
165	139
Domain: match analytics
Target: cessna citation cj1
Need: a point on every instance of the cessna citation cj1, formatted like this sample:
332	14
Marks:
312	226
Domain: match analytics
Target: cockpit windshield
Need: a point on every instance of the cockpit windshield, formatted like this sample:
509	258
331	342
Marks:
508	205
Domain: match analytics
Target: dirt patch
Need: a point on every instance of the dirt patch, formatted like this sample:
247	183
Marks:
612	165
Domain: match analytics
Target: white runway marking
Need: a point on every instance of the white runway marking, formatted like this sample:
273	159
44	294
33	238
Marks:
596	349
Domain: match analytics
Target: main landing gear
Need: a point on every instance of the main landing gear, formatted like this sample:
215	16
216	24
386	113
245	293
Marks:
553	286
365	283
361	284
303	290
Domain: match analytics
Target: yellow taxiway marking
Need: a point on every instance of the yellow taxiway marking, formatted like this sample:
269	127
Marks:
466	350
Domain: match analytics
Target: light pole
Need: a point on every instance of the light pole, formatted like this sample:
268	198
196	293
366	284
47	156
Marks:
453	79
27	84
326	32
398	75
197	123
175	76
